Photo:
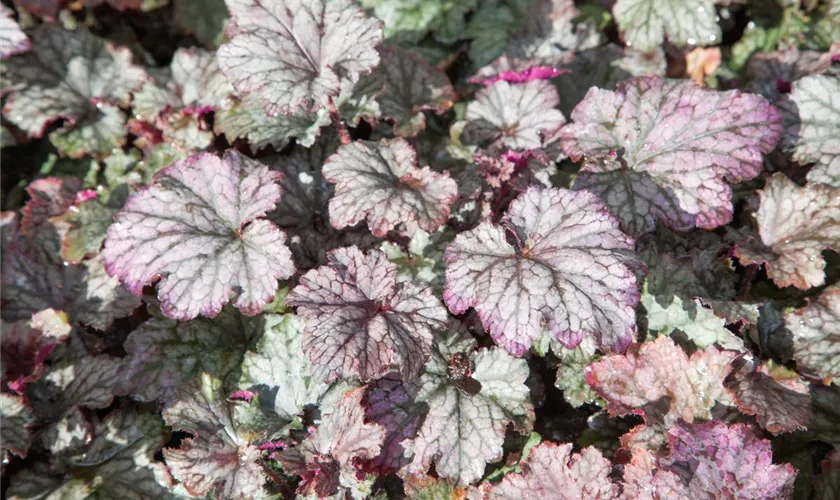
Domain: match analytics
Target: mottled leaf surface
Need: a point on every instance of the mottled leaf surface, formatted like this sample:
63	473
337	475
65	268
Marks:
812	126
76	76
517	116
327	457
293	54
382	183
816	335
391	403
716	461
558	261
795	225
16	420
360	321
198	229
664	149
660	369
645	24
12	39
463	431
218	459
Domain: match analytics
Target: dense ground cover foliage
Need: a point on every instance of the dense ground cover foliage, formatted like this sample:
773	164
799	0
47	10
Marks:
430	249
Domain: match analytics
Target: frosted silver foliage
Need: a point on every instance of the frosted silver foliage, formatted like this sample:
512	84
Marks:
795	225
12	39
645	24
381	182
816	335
294	53
551	470
198	229
464	431
558	261
360	321
812	130
665	149
517	116
76	76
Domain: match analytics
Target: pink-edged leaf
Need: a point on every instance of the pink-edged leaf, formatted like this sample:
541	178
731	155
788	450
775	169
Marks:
87	221
795	225
76	76
218	458
198	229
411	86
570	273
360	321
48	197
663	149
816	335
716	461
649	372
332	451
14	433
294	53
26	345
472	396
521	76
518	116
12	39
381	182
552	470
776	396
390	403
812	114
645	24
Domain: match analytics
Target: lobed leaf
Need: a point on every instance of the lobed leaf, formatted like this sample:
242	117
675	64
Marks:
12	39
360	321
382	183
645	24
815	329
795	225
569	273
663	149
198	229
293	53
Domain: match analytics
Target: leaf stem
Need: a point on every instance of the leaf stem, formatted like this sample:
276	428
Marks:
343	136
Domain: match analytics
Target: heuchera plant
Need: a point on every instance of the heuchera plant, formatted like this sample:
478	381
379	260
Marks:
484	249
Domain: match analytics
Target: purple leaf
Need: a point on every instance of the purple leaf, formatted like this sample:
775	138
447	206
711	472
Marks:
330	453
360	321
76	76
16	419
776	396
660	369
390	403
816	335
774	72
463	430
569	272
551	469
218	458
42	8
382	183
12	39
293	53
795	225
716	461
662	149
515	116
197	228
49	197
